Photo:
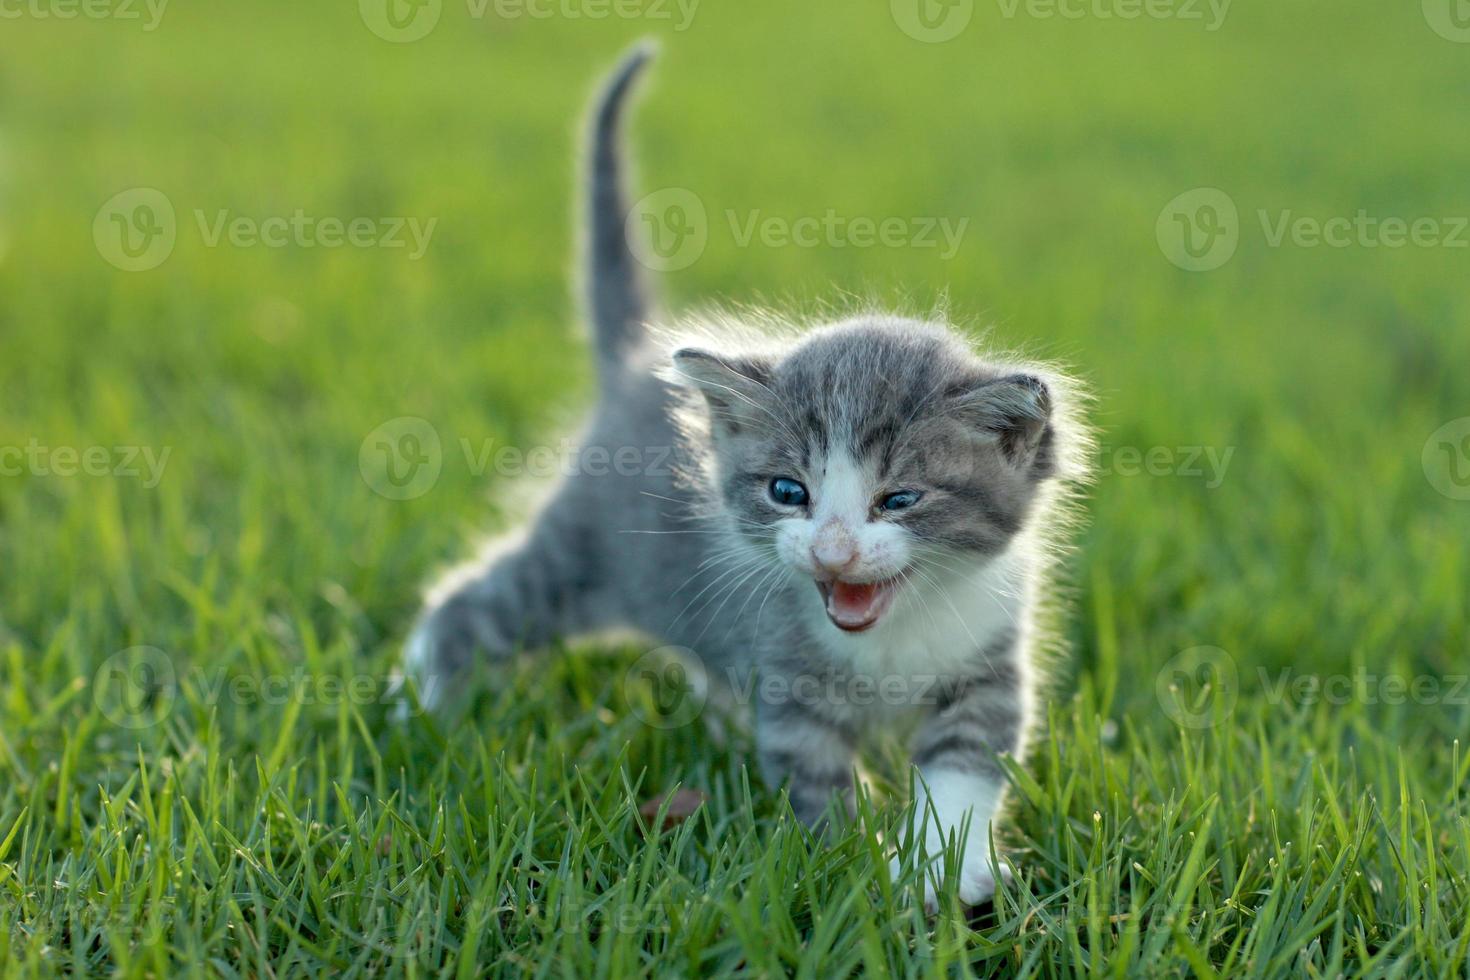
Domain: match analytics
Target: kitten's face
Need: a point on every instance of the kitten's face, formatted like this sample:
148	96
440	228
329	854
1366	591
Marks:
871	455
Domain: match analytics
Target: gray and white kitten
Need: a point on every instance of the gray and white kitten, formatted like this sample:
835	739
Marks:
858	540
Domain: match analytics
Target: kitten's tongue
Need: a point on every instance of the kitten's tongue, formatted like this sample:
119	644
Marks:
856	606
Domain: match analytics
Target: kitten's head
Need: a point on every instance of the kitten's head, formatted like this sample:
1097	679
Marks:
870	449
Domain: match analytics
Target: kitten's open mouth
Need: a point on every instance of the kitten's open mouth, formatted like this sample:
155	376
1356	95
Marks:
856	606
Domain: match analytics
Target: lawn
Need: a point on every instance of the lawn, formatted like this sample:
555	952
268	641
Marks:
1251	763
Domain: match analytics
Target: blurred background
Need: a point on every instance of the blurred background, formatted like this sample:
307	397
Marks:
1244	224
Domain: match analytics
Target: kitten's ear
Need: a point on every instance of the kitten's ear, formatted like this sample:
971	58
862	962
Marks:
735	387
1015	411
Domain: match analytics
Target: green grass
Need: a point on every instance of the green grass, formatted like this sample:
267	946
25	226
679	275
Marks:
258	831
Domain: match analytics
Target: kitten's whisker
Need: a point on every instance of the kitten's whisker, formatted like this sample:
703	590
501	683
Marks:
723	575
944	594
911	594
659	496
923	603
994	594
771	590
964	573
728	592
932	585
934	556
773	571
709	565
722	555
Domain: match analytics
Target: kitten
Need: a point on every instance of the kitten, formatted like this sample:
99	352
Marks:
859	537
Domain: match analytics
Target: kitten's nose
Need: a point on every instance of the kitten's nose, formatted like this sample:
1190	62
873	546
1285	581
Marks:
833	548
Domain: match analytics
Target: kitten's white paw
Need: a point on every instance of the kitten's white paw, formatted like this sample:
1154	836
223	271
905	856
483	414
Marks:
976	876
954	804
976	879
418	672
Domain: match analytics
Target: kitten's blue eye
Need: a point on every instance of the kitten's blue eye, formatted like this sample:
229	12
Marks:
902	500
788	492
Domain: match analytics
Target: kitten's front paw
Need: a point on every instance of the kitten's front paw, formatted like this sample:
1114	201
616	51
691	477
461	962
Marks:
977	879
976	883
436	657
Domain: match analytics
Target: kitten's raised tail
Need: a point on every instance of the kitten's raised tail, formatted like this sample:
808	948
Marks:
617	297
